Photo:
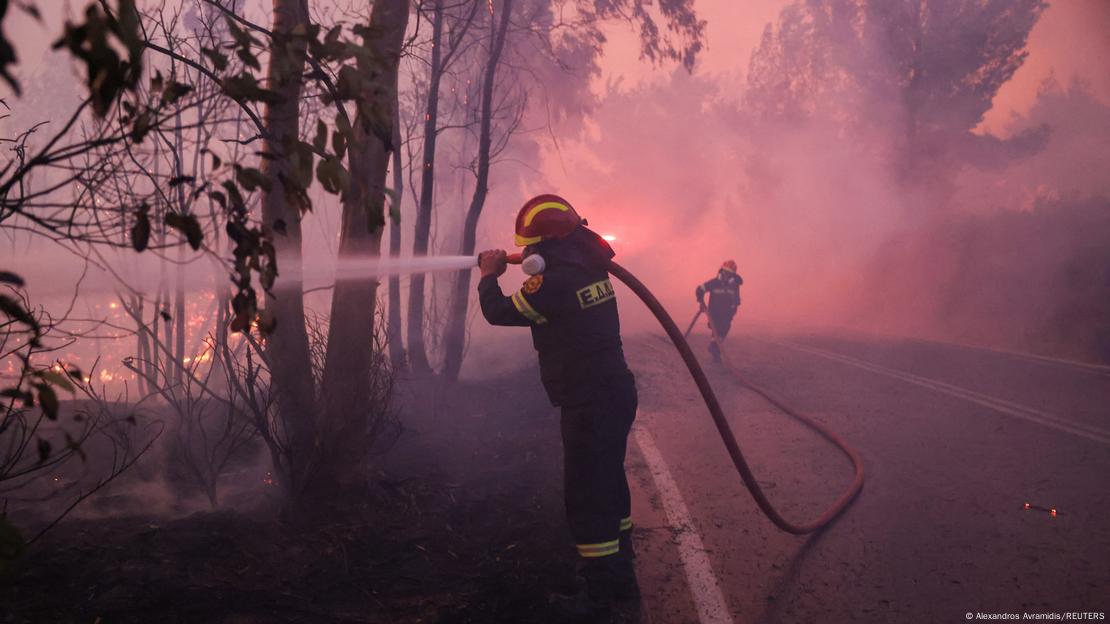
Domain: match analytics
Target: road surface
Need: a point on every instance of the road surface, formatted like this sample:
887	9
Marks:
955	441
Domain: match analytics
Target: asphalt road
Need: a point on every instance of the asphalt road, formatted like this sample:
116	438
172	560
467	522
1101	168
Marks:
955	441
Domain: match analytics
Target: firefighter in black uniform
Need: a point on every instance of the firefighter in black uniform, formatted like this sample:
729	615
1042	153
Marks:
724	300
571	309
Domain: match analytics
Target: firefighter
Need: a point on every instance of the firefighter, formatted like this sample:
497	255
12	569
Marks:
724	300
571	309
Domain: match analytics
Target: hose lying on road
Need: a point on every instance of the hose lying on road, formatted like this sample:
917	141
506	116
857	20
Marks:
725	430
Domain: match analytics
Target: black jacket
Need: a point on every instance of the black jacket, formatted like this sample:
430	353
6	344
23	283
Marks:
724	293
572	310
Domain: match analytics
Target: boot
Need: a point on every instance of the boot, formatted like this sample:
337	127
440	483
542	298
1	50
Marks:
579	605
604	587
715	351
625	585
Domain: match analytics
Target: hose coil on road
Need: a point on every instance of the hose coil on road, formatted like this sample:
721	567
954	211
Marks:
729	439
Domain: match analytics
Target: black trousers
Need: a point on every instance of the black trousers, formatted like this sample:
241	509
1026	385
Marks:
595	439
721	321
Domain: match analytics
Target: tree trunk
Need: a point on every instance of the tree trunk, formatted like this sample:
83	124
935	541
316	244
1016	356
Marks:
142	342
179	286
396	346
456	323
350	353
418	357
288	344
179	320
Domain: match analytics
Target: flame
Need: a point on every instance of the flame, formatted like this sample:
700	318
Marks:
609	237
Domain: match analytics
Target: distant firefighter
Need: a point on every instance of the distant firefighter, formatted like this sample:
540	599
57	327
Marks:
724	300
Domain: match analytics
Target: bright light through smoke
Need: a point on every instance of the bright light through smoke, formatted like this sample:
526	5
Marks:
609	237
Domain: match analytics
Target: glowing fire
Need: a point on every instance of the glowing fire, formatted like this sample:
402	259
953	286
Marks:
609	237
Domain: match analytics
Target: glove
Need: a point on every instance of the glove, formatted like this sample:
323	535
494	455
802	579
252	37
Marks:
492	262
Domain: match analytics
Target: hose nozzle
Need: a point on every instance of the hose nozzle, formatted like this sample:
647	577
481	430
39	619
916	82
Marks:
532	265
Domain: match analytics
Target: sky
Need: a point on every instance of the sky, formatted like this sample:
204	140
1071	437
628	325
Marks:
1070	38
1071	41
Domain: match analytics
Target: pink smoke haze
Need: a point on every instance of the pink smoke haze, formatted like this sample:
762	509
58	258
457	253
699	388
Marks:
1000	243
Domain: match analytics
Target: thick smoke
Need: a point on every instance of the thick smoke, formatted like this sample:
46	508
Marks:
1023	260
852	193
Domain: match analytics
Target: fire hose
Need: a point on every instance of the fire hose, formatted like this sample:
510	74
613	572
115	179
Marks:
686	334
727	436
711	402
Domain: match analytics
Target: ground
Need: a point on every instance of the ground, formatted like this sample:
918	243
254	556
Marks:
465	525
954	441
466	521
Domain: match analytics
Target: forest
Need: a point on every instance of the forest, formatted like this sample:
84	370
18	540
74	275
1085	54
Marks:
198	404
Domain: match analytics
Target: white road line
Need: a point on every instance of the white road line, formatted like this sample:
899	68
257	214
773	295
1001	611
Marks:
999	405
1098	369
704	587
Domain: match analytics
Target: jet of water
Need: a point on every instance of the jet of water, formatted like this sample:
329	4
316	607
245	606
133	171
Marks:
362	268
145	277
372	267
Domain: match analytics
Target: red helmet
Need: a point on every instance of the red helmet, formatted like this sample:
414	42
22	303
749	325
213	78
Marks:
544	217
729	265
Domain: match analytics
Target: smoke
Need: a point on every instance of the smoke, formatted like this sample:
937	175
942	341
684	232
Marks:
1023	261
795	205
848	202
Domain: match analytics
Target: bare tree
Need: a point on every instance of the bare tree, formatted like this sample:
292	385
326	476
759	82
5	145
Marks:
456	322
396	344
524	47
458	23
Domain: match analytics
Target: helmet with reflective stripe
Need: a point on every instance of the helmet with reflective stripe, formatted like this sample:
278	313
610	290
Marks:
729	265
545	217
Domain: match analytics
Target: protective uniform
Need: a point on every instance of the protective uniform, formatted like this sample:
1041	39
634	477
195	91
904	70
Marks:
571	309
724	300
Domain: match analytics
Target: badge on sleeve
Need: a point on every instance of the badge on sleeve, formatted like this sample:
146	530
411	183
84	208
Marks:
596	293
532	284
